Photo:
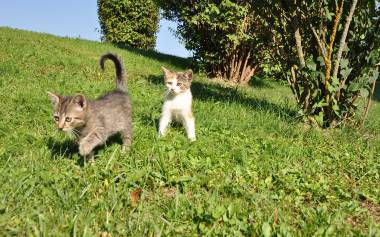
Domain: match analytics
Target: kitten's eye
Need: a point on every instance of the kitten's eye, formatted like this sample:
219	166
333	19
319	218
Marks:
169	82
179	84
56	118
68	119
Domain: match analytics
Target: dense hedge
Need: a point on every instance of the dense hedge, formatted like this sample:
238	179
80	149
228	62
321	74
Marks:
330	50
130	22
223	36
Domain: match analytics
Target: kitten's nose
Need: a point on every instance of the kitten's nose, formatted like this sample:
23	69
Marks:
60	127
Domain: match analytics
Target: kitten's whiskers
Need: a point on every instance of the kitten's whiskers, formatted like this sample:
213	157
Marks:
75	133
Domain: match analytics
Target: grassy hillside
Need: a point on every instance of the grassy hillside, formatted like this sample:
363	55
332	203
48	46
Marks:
254	170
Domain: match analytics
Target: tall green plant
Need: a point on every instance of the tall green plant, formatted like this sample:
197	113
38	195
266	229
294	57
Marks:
130	22
222	35
330	51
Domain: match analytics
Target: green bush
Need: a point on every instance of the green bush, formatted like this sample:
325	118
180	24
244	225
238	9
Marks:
130	22
222	35
329	51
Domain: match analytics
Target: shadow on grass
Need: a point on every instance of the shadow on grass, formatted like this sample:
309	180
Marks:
206	92
377	91
68	148
183	63
148	120
258	82
65	149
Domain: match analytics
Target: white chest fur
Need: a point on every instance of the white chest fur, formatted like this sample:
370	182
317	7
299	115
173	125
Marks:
178	104
178	107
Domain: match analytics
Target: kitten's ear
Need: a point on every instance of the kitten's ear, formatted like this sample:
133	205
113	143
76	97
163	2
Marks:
166	71
189	74
55	99
80	100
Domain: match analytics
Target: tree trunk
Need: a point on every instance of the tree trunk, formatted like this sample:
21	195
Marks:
342	42
298	38
240	69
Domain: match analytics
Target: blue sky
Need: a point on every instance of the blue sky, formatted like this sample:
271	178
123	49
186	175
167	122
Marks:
73	18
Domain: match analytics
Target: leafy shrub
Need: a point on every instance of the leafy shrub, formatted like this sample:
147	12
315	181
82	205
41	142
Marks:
222	35
330	50
130	22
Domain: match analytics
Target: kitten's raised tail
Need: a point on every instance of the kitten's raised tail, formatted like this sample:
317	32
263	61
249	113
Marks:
120	73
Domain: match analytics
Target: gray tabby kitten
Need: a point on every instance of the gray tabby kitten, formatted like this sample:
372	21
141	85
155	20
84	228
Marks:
93	121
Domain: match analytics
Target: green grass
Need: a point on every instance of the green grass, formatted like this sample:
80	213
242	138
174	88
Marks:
254	170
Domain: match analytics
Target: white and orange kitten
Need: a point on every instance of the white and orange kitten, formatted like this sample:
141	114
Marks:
177	104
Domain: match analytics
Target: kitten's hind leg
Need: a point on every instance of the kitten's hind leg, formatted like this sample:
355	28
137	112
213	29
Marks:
127	140
164	122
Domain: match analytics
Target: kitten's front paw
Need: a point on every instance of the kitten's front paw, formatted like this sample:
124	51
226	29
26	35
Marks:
84	149
192	139
160	135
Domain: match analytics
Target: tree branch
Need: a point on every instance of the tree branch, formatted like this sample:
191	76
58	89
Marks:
245	65
301	56
321	47
329	52
342	42
292	84
369	102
